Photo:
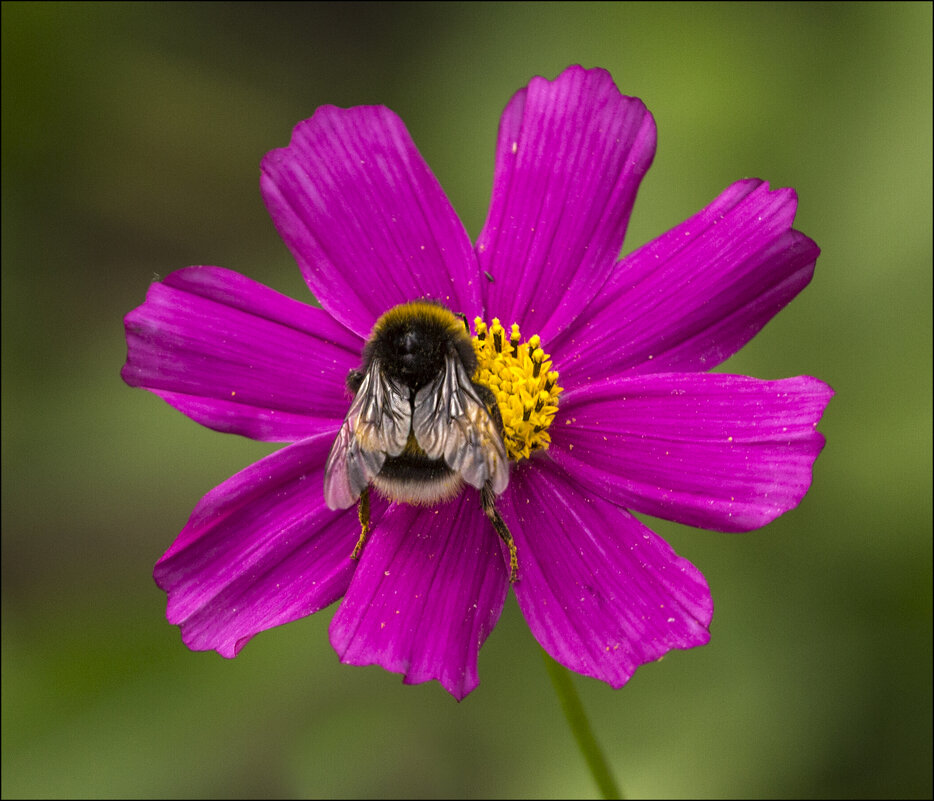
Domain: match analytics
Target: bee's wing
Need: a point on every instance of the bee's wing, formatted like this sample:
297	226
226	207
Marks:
450	420
376	426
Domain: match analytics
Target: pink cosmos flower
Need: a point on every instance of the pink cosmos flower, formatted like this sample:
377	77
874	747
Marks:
640	424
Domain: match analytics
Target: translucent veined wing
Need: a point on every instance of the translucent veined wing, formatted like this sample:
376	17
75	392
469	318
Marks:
451	420
376	426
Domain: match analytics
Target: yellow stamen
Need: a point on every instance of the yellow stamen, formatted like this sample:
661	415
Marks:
520	374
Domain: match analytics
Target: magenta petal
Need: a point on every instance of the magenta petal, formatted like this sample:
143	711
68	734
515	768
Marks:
259	550
602	593
693	297
239	357
365	218
723	452
569	159
429	590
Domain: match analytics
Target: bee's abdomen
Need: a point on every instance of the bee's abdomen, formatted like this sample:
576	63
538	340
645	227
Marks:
416	479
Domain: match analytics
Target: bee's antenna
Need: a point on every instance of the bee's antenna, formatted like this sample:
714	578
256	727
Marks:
463	318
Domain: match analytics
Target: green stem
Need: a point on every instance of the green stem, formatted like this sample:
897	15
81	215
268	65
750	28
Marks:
580	726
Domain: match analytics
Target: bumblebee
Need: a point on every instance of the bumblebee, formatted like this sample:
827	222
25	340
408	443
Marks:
418	427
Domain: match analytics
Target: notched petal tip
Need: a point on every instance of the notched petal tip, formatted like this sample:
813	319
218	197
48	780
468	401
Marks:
691	298
601	592
365	218
239	357
570	155
258	551
429	589
713	450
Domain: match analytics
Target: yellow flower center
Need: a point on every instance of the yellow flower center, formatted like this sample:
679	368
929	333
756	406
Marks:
526	388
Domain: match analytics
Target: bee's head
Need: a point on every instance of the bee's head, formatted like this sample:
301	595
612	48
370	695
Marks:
413	340
415	352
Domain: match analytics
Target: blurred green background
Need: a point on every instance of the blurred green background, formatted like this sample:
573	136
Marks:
132	135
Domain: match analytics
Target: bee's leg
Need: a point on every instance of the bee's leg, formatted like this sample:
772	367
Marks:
492	406
363	512
489	508
354	380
